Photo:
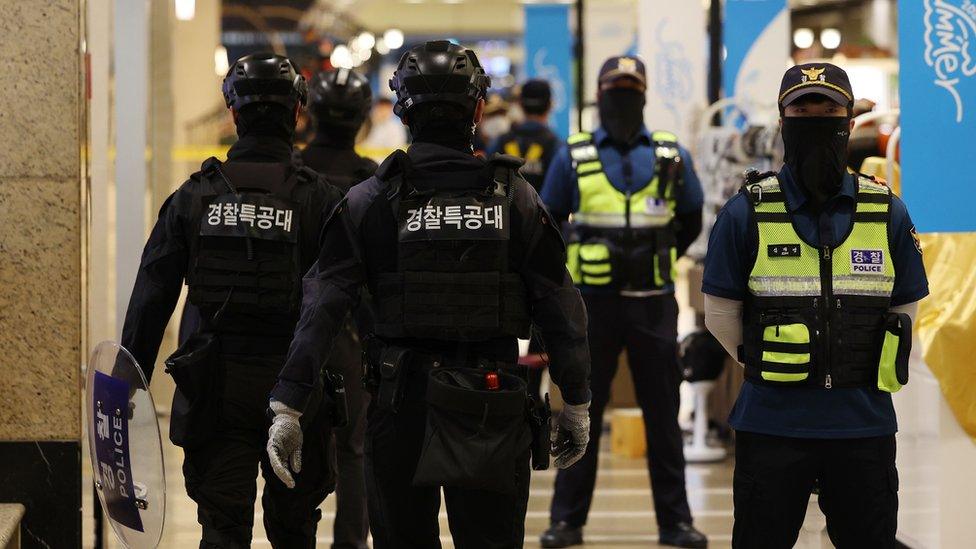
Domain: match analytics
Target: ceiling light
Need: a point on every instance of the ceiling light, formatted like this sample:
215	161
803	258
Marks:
381	47
393	38
830	38
186	9
366	40
803	38
341	57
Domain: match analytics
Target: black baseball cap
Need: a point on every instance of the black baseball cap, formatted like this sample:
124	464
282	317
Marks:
623	66
820	78
536	94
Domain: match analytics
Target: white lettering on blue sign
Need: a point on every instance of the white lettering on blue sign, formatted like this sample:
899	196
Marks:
950	45
867	261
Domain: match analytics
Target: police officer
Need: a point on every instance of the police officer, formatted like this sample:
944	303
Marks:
339	102
241	233
460	257
812	277
531	140
636	206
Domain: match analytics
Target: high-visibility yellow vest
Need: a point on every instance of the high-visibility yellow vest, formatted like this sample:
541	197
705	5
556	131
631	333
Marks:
817	315
622	240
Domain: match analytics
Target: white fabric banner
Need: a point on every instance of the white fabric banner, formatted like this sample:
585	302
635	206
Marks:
673	41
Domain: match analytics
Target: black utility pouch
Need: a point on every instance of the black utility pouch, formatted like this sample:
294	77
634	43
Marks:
475	438
196	369
339	408
392	377
896	348
540	419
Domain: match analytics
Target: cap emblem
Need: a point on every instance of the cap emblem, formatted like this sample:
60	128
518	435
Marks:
626	64
813	74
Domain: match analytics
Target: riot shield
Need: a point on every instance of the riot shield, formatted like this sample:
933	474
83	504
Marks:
126	455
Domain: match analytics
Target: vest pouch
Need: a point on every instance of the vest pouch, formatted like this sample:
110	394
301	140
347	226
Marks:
785	352
595	263
196	368
896	346
573	261
475	438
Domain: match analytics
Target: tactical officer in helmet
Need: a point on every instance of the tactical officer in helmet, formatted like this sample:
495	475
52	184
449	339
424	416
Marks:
339	102
812	279
636	206
460	258
240	233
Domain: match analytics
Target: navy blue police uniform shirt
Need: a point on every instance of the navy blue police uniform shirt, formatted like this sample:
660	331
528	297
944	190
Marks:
628	170
809	412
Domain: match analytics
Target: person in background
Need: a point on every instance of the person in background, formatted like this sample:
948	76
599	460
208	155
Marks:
531	140
240	233
812	279
496	123
339	102
636	206
386	132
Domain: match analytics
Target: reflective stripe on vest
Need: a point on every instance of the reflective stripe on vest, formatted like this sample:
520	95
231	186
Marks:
788	266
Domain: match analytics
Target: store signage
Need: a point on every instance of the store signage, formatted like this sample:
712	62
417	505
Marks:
950	46
672	39
937	53
548	55
757	50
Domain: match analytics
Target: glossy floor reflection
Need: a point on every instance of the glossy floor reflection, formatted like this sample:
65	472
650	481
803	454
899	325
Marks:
622	515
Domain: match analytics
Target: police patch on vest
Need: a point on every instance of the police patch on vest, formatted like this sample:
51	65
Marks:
251	215
466	218
867	262
783	250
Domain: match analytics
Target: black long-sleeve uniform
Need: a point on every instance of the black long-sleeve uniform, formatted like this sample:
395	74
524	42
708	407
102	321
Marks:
338	160
220	473
360	245
360	242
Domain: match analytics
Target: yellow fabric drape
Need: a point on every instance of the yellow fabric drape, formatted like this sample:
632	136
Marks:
946	321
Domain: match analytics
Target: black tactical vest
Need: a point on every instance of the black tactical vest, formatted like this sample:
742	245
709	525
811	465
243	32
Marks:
453	280
245	254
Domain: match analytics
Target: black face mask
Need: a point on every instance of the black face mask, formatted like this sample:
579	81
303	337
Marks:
816	152
621	113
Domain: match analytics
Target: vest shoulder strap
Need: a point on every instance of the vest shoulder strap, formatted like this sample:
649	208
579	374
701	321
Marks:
581	138
757	183
582	149
664	137
872	184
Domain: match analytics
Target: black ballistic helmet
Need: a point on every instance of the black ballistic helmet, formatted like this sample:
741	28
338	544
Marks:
264	78
438	71
340	97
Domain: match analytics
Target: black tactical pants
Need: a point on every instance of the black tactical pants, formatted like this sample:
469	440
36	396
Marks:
403	516
774	477
647	328
351	526
221	475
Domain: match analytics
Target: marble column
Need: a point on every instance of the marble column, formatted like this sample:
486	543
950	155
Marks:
41	250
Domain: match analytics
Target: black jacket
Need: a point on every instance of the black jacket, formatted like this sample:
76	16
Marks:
360	242
342	165
166	257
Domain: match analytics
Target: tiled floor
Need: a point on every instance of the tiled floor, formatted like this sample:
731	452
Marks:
621	518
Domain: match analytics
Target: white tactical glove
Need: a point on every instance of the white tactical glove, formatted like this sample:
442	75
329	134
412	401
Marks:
285	442
570	434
